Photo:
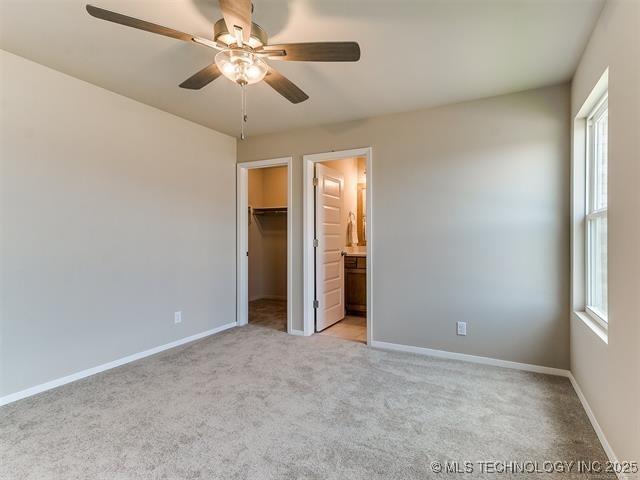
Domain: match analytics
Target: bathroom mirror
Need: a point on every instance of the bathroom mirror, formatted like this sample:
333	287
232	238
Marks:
361	215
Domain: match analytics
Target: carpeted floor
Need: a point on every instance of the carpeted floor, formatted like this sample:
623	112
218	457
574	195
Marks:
254	403
269	313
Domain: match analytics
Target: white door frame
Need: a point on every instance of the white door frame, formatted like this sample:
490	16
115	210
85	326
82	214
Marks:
308	229
242	239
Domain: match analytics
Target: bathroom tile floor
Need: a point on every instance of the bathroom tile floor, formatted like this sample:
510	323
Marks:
351	328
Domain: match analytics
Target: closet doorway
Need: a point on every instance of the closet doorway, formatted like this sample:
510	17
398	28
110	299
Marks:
264	244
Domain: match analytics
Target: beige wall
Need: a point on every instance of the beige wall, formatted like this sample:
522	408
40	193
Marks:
274	186
470	222
608	374
255	244
113	215
362	170
267	234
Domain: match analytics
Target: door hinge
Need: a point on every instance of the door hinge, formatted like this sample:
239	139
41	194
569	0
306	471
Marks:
316	304
315	181
315	243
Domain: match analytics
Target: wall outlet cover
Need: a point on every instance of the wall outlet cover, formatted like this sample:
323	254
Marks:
177	317
462	328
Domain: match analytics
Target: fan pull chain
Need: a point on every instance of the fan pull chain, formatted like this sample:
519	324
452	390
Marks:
243	120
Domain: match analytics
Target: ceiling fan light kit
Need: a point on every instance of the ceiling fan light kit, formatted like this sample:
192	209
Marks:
243	46
241	66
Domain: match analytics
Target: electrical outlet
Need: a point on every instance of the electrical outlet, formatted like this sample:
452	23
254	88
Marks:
177	317
462	328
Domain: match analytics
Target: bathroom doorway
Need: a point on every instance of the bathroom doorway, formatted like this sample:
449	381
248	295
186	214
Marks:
337	244
264	244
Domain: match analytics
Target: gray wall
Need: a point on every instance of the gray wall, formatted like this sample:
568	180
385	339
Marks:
267	235
608	373
470	222
113	215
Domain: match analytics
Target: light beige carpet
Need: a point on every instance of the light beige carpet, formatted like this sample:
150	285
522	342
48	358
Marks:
254	403
269	313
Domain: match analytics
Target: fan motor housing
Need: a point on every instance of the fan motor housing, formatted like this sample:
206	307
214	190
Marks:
257	39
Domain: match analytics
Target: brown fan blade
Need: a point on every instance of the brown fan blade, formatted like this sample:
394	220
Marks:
204	77
137	23
284	86
315	51
237	13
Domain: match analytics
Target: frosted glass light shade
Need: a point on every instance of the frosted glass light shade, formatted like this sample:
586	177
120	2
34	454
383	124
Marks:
241	66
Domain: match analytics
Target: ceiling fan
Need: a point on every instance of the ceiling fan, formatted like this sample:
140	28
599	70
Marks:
242	50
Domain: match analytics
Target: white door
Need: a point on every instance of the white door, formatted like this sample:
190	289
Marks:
328	253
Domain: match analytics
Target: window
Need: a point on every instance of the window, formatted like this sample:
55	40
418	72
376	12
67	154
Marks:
596	211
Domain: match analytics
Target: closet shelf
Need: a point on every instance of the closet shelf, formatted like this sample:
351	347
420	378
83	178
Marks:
269	210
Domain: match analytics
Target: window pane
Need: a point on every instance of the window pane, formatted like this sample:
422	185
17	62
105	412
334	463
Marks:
601	134
598	265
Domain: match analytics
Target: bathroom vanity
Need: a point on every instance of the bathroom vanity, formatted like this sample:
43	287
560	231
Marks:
355	280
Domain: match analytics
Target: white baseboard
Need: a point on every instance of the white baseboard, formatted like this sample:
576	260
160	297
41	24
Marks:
594	422
298	333
471	358
107	366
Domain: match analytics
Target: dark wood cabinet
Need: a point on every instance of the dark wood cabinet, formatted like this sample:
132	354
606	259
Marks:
355	283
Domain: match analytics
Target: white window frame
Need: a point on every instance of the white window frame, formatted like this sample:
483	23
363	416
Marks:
592	212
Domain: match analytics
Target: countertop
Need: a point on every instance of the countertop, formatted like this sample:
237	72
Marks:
355	251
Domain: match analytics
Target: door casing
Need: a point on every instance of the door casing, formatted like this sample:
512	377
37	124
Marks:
242	246
308	228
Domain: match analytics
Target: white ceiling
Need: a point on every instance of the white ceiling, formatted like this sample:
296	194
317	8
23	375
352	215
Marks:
415	53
